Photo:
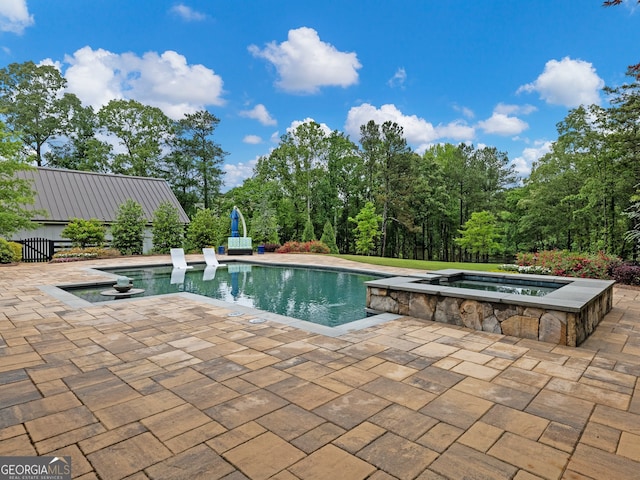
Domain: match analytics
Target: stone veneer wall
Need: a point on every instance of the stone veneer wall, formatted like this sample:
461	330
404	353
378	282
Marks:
546	325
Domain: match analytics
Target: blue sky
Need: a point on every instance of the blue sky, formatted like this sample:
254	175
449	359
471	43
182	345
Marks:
501	73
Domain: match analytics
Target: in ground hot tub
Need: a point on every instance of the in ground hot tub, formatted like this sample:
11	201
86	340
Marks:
559	310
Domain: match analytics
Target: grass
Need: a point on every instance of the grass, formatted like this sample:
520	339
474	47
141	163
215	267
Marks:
421	264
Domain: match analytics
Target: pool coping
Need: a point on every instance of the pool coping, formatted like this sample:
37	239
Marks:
374	318
571	297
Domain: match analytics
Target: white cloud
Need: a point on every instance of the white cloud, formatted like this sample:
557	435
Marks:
529	155
237	173
466	112
162	80
417	131
252	139
260	113
305	63
187	13
567	82
502	124
514	109
296	123
398	78
15	16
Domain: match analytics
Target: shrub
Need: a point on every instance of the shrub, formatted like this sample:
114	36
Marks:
308	234
531	269
84	232
303	247
17	251
168	231
8	253
128	229
76	254
271	247
570	264
202	231
626	274
329	237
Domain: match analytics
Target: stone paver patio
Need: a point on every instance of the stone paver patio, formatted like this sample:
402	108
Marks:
174	388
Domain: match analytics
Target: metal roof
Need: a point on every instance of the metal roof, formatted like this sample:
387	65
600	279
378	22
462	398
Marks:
69	194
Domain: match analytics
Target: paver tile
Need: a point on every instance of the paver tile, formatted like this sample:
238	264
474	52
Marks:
359	437
235	437
403	421
457	408
440	437
601	436
204	393
480	436
331	462
496	393
460	461
318	437
542	460
352	408
561	408
595	463
397	456
237	411
176	421
290	421
400	393
562	437
197	463
263	456
301	392
515	421
57	423
128	457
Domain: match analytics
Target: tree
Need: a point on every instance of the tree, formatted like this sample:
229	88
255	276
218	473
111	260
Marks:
128	229
83	233
480	235
197	160
309	234
329	238
79	149
168	231
15	193
141	130
33	105
367	229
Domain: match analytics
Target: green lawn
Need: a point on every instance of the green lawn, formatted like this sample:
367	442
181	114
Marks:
420	264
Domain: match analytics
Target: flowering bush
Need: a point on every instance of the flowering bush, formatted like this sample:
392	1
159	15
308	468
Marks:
303	247
271	247
627	274
570	264
76	254
531	269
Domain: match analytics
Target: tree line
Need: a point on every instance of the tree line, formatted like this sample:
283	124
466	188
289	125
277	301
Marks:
451	202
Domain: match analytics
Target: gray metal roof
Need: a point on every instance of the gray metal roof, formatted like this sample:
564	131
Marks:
69	194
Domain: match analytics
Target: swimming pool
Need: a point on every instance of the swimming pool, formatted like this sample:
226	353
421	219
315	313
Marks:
325	297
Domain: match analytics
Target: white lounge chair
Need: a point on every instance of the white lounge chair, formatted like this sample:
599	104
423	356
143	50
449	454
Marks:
178	260
210	257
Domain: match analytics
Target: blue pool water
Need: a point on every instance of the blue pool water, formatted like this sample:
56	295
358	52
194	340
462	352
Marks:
325	297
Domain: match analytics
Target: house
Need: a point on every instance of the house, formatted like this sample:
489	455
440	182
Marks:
67	194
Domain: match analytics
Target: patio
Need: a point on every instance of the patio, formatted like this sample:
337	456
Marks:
172	389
